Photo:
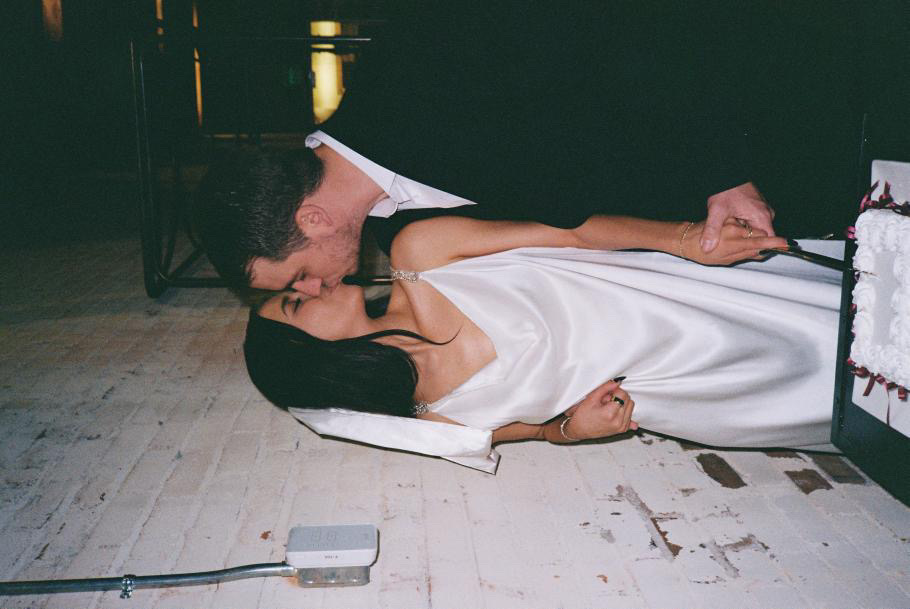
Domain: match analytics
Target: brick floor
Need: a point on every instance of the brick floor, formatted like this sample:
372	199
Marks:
131	441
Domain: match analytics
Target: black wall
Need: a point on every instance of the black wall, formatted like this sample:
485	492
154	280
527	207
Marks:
806	74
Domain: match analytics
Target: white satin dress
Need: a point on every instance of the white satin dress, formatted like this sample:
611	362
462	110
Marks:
725	356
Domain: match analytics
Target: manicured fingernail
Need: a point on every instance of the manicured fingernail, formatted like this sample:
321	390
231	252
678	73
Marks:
619	379
792	243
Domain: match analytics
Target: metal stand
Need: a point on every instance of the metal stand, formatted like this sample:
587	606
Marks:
160	226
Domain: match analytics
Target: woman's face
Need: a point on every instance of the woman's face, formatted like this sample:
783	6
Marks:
333	315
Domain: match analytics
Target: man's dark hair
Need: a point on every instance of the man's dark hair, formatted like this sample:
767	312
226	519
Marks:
292	368
245	207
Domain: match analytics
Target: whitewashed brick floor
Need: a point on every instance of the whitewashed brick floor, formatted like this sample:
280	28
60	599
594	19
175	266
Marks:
132	442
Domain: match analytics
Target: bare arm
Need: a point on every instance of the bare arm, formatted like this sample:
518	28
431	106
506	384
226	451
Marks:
431	243
604	412
507	433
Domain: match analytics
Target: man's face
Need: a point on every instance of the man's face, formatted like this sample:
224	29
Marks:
321	263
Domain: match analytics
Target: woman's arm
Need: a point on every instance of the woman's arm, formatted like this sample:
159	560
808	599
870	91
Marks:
438	241
549	431
606	411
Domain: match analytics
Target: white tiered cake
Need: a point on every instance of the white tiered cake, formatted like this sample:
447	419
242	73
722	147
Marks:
881	326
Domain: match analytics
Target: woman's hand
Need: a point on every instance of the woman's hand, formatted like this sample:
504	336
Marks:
604	412
738	242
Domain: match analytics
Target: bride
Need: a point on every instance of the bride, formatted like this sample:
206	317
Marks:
501	331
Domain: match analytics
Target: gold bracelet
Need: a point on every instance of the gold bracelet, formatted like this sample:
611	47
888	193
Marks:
681	239
562	430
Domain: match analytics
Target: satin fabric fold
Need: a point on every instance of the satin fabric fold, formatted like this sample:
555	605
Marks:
462	445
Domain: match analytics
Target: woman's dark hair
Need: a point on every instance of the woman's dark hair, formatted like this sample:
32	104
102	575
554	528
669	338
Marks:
245	206
294	369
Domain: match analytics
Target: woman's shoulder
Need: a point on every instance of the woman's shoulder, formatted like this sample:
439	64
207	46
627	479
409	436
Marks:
435	242
428	244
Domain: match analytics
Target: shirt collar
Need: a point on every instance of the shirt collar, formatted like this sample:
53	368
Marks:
379	174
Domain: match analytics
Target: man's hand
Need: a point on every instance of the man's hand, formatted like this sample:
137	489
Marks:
736	241
604	412
743	202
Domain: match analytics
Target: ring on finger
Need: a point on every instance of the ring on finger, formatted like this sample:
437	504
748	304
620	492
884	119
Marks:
745	224
619	401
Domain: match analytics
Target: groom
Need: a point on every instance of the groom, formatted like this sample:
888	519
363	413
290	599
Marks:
480	113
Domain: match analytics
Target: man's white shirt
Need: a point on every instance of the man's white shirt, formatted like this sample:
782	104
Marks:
403	193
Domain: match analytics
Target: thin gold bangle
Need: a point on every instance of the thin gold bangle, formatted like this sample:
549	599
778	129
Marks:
562	430
681	239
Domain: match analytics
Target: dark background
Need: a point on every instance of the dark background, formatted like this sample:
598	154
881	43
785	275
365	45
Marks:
807	80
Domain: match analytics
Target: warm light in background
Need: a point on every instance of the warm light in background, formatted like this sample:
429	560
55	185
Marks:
52	11
159	15
326	66
198	66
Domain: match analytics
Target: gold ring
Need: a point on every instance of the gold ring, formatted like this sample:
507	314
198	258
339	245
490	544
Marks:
619	401
745	224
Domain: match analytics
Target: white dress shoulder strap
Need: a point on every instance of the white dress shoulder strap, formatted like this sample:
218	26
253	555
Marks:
409	276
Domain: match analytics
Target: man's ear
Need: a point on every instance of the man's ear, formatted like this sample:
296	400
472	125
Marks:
312	220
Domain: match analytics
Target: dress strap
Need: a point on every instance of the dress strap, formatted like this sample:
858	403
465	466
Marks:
410	276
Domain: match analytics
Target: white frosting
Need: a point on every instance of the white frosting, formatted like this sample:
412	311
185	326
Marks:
882	236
